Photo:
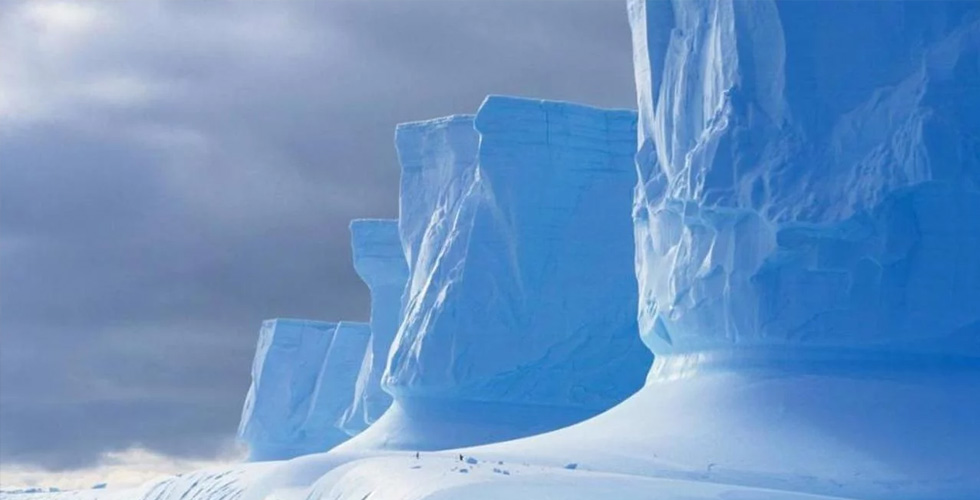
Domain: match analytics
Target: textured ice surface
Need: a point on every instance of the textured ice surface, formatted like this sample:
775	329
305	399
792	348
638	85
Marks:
336	382
302	383
521	295
809	174
380	262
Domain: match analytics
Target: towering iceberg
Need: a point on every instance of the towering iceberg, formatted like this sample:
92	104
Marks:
302	383
807	256
807	248
809	175
520	306
379	261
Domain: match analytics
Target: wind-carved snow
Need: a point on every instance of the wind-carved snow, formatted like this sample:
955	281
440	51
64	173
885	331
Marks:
808	175
520	310
302	384
217	483
380	262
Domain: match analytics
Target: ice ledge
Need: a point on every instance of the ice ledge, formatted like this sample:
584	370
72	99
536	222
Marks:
415	141
789	360
377	253
574	127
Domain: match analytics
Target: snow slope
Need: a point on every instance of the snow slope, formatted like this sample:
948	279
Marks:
222	483
771	427
443	477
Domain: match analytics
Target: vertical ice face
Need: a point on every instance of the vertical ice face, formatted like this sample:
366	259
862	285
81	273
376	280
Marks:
302	383
808	175
438	161
335	384
517	231
288	358
379	261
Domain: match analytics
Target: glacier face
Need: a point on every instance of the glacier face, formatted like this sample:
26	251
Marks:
516	228
803	186
336	382
380	262
302	383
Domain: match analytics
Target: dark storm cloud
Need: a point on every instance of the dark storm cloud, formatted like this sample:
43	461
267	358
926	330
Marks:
173	173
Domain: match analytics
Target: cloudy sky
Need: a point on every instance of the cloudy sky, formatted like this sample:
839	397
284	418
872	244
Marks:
171	173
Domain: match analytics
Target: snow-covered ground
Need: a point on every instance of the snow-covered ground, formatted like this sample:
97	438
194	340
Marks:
437	476
218	483
444	477
702	428
864	428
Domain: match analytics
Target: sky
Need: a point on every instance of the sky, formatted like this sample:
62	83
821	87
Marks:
172	173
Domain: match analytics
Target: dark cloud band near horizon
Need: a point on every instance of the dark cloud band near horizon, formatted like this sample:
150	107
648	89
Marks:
172	173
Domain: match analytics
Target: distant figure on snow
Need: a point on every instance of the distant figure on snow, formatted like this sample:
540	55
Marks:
416	455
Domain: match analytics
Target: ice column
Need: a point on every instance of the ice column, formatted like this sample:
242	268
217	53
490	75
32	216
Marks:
521	293
379	261
809	176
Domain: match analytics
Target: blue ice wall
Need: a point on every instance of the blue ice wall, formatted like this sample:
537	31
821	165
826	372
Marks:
517	231
438	160
302	383
336	381
379	261
809	176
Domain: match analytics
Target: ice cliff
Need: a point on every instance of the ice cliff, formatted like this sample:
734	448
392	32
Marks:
520	306
302	384
380	262
807	257
336	381
809	175
803	259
